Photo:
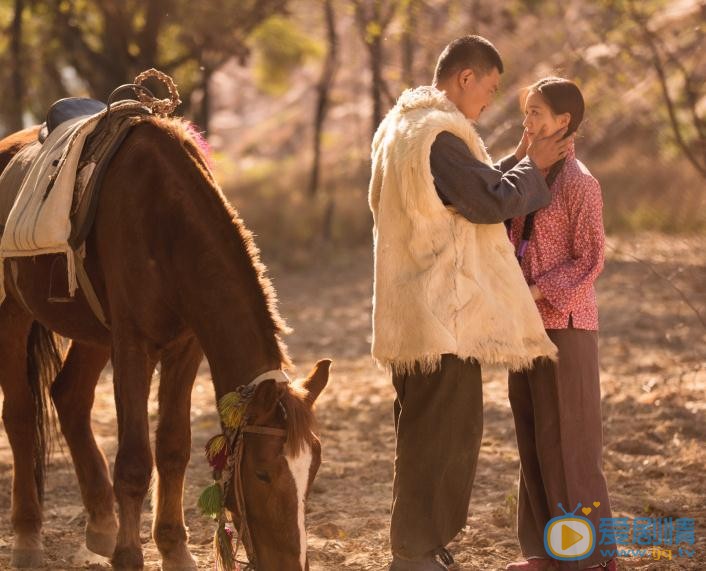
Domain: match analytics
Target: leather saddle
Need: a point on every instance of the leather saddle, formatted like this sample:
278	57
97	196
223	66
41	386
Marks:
69	108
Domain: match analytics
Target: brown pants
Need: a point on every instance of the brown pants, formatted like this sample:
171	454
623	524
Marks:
557	411
439	425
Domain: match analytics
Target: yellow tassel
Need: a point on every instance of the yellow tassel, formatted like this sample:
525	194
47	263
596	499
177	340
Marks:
215	446
217	453
230	407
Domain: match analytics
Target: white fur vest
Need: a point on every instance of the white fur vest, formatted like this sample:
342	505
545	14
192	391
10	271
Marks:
442	284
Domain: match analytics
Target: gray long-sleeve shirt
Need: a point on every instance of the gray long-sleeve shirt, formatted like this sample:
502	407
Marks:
481	193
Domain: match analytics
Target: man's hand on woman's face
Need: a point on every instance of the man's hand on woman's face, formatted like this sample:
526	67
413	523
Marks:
546	150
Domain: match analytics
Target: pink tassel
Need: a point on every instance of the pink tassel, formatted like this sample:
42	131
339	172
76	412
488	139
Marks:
201	142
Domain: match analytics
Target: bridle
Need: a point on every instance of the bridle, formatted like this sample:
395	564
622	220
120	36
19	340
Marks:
244	531
231	472
238	446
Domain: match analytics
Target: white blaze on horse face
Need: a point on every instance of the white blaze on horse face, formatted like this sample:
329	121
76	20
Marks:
299	466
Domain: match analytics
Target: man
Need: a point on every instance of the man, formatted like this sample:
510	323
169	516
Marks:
449	295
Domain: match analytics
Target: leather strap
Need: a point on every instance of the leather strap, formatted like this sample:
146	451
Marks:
277	374
267	430
88	292
244	533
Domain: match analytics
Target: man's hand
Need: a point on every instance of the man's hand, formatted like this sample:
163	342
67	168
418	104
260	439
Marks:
521	149
545	151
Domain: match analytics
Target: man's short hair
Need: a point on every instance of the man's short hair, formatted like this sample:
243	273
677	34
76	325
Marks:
468	52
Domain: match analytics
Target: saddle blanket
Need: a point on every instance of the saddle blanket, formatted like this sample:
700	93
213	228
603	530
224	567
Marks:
58	183
39	221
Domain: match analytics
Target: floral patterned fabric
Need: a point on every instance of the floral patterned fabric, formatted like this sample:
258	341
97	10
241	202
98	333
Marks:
566	250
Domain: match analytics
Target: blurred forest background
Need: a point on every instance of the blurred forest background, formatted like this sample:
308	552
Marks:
290	91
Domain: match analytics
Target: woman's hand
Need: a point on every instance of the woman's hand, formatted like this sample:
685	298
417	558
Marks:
536	293
521	149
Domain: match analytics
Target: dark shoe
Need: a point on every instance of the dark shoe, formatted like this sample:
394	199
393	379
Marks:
436	561
611	565
534	564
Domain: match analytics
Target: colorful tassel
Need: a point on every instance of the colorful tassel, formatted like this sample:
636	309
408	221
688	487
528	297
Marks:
211	501
217	452
231	408
223	548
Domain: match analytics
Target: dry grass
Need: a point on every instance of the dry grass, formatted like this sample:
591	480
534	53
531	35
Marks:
653	359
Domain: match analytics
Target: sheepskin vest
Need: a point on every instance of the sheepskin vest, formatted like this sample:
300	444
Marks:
442	284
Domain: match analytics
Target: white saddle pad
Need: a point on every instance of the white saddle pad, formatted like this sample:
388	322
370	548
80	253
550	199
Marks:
39	222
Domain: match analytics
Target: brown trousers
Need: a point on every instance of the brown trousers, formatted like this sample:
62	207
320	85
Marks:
439	425
557	411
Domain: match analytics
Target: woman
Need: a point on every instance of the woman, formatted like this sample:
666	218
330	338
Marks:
557	406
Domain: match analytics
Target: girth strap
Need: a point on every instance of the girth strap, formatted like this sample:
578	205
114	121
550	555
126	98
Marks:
89	293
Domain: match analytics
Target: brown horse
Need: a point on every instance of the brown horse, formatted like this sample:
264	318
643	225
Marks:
178	276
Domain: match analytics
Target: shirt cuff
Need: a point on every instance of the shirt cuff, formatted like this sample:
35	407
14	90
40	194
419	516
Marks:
530	162
551	294
507	163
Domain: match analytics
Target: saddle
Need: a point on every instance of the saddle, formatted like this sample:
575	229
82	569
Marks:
69	108
98	148
49	192
55	182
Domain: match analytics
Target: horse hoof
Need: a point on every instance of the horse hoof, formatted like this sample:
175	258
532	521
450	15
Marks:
101	543
185	562
127	559
24	558
83	557
179	566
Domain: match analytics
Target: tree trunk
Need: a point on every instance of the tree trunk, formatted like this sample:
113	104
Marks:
372	19
327	76
148	38
376	85
205	110
16	103
409	43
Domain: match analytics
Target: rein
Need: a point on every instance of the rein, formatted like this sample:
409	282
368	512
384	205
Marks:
225	454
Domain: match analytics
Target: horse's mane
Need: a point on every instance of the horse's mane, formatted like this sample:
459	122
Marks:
300	419
184	133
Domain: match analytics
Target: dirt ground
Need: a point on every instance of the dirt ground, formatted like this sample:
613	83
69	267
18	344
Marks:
653	362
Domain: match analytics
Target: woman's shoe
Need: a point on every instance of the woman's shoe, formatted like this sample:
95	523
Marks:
533	564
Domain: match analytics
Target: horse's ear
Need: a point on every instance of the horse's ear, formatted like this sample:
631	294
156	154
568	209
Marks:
267	394
317	380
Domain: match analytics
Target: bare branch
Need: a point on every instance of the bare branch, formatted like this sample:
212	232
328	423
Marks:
662	76
691	95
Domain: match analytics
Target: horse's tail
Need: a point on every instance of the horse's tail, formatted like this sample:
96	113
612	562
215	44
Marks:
44	361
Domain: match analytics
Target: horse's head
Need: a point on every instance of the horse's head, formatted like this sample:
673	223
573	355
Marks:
277	469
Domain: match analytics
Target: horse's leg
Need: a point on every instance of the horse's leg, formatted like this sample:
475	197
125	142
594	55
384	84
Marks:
73	394
133	366
179	367
20	417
